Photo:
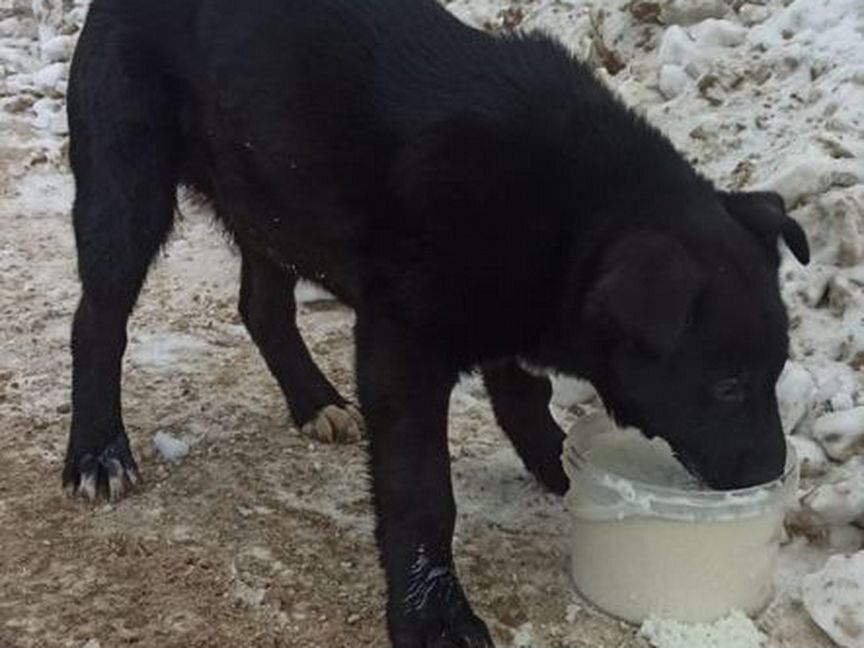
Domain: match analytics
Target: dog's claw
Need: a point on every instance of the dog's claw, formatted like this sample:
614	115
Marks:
335	424
87	487
111	473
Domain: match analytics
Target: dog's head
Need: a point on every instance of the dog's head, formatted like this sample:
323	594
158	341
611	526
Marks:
688	334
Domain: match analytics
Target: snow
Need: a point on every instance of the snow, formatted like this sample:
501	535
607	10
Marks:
834	597
803	177
812	460
58	48
678	48
49	78
685	12
166	353
734	630
51	115
170	447
524	636
839	502
841	433
796	391
717	32
846	539
673	80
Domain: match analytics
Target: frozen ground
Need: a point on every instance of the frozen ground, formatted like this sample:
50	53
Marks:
262	537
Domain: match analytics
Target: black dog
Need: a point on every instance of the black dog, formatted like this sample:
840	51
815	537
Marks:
476	200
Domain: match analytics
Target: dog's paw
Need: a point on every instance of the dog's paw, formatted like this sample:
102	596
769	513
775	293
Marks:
461	631
432	610
108	473
335	424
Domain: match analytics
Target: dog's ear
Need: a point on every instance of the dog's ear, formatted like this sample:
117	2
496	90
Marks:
645	292
764	214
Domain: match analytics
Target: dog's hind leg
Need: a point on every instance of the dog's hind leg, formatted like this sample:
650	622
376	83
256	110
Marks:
268	308
521	405
123	153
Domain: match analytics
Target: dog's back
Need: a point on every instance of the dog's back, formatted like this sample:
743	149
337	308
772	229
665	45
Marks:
328	111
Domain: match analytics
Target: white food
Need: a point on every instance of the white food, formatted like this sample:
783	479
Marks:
706	569
712	555
627	453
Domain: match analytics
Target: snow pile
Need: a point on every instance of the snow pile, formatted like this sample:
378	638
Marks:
38	83
841	433
834	597
734	630
170	447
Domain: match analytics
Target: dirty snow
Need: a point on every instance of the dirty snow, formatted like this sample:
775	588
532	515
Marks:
734	630
834	597
170	447
841	433
760	94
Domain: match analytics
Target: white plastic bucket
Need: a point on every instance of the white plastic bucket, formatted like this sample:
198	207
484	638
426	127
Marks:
640	549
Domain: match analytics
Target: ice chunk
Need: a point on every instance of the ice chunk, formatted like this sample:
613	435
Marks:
734	630
840	502
847	538
677	48
804	176
812	460
716	32
841	433
834	597
673	80
51	115
751	14
49	78
687	12
58	49
796	390
170	447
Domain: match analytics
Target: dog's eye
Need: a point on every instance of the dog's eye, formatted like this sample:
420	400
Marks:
729	390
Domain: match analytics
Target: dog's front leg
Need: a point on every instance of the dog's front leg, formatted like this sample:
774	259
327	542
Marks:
404	388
